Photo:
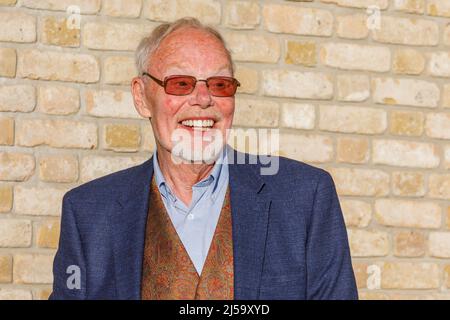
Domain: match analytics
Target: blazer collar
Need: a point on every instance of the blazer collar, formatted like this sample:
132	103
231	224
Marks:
250	202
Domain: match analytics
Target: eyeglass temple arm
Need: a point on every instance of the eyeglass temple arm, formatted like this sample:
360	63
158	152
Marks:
161	83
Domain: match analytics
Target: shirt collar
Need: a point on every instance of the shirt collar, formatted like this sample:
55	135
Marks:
213	177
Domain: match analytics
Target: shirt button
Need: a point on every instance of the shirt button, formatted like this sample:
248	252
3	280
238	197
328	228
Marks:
190	216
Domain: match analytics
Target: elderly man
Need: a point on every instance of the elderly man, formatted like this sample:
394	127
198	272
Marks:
196	224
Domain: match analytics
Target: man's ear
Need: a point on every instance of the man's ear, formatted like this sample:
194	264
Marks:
141	102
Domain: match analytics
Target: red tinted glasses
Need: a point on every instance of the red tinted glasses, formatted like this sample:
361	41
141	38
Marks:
180	85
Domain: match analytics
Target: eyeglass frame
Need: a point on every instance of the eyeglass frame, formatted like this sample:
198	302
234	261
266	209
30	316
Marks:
162	83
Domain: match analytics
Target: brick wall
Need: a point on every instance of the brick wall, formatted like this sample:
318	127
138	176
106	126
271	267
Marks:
358	87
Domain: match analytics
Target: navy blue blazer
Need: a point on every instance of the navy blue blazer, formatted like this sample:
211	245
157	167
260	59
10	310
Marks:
289	237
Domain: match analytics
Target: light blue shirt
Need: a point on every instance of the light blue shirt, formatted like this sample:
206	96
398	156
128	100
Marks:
196	224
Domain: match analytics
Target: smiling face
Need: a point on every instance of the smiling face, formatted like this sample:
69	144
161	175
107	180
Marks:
193	52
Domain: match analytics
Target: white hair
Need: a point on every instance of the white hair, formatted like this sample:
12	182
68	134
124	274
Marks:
149	44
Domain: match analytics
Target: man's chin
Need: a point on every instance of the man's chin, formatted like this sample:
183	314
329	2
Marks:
205	155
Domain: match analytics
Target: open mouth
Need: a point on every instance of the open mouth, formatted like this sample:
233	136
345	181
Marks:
198	124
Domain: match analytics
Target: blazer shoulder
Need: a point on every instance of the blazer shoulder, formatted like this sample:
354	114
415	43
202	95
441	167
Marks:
297	173
109	185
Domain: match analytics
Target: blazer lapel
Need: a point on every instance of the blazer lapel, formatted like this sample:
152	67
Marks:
250	205
129	231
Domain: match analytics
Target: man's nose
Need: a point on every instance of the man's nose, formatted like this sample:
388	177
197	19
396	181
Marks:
201	95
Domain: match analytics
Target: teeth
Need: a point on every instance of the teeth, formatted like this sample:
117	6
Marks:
198	123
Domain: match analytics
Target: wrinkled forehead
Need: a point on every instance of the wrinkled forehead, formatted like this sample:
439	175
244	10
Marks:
190	48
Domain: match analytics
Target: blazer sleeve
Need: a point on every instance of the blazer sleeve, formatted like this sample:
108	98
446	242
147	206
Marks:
69	269
329	268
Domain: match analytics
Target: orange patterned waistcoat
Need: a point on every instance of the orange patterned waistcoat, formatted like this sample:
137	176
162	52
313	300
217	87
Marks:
168	272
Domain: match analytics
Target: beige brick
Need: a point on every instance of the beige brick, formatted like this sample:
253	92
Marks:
15	233
351	119
308	21
242	14
410	92
447	157
447	276
447	35
38	201
405	153
353	87
355	57
248	77
253	47
356	213
7	2
382	4
148	138
42	294
59	32
15	294
368	243
352	150
48	234
352	26
16	166
301	53
119	70
58	100
122	8
408	61
8	61
446	96
407	213
439	186
410	275
207	11
360	182
114	35
297	115
6	131
56	133
51	65
114	104
6	198
5	268
33	268
17	27
448	217
410	184
85	6
372	295
417	296
438	125
17	98
406	123
93	167
296	84
439	244
361	274
307	148
439	8
415	32
58	168
121	137
410	6
409	244
256	113
439	64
